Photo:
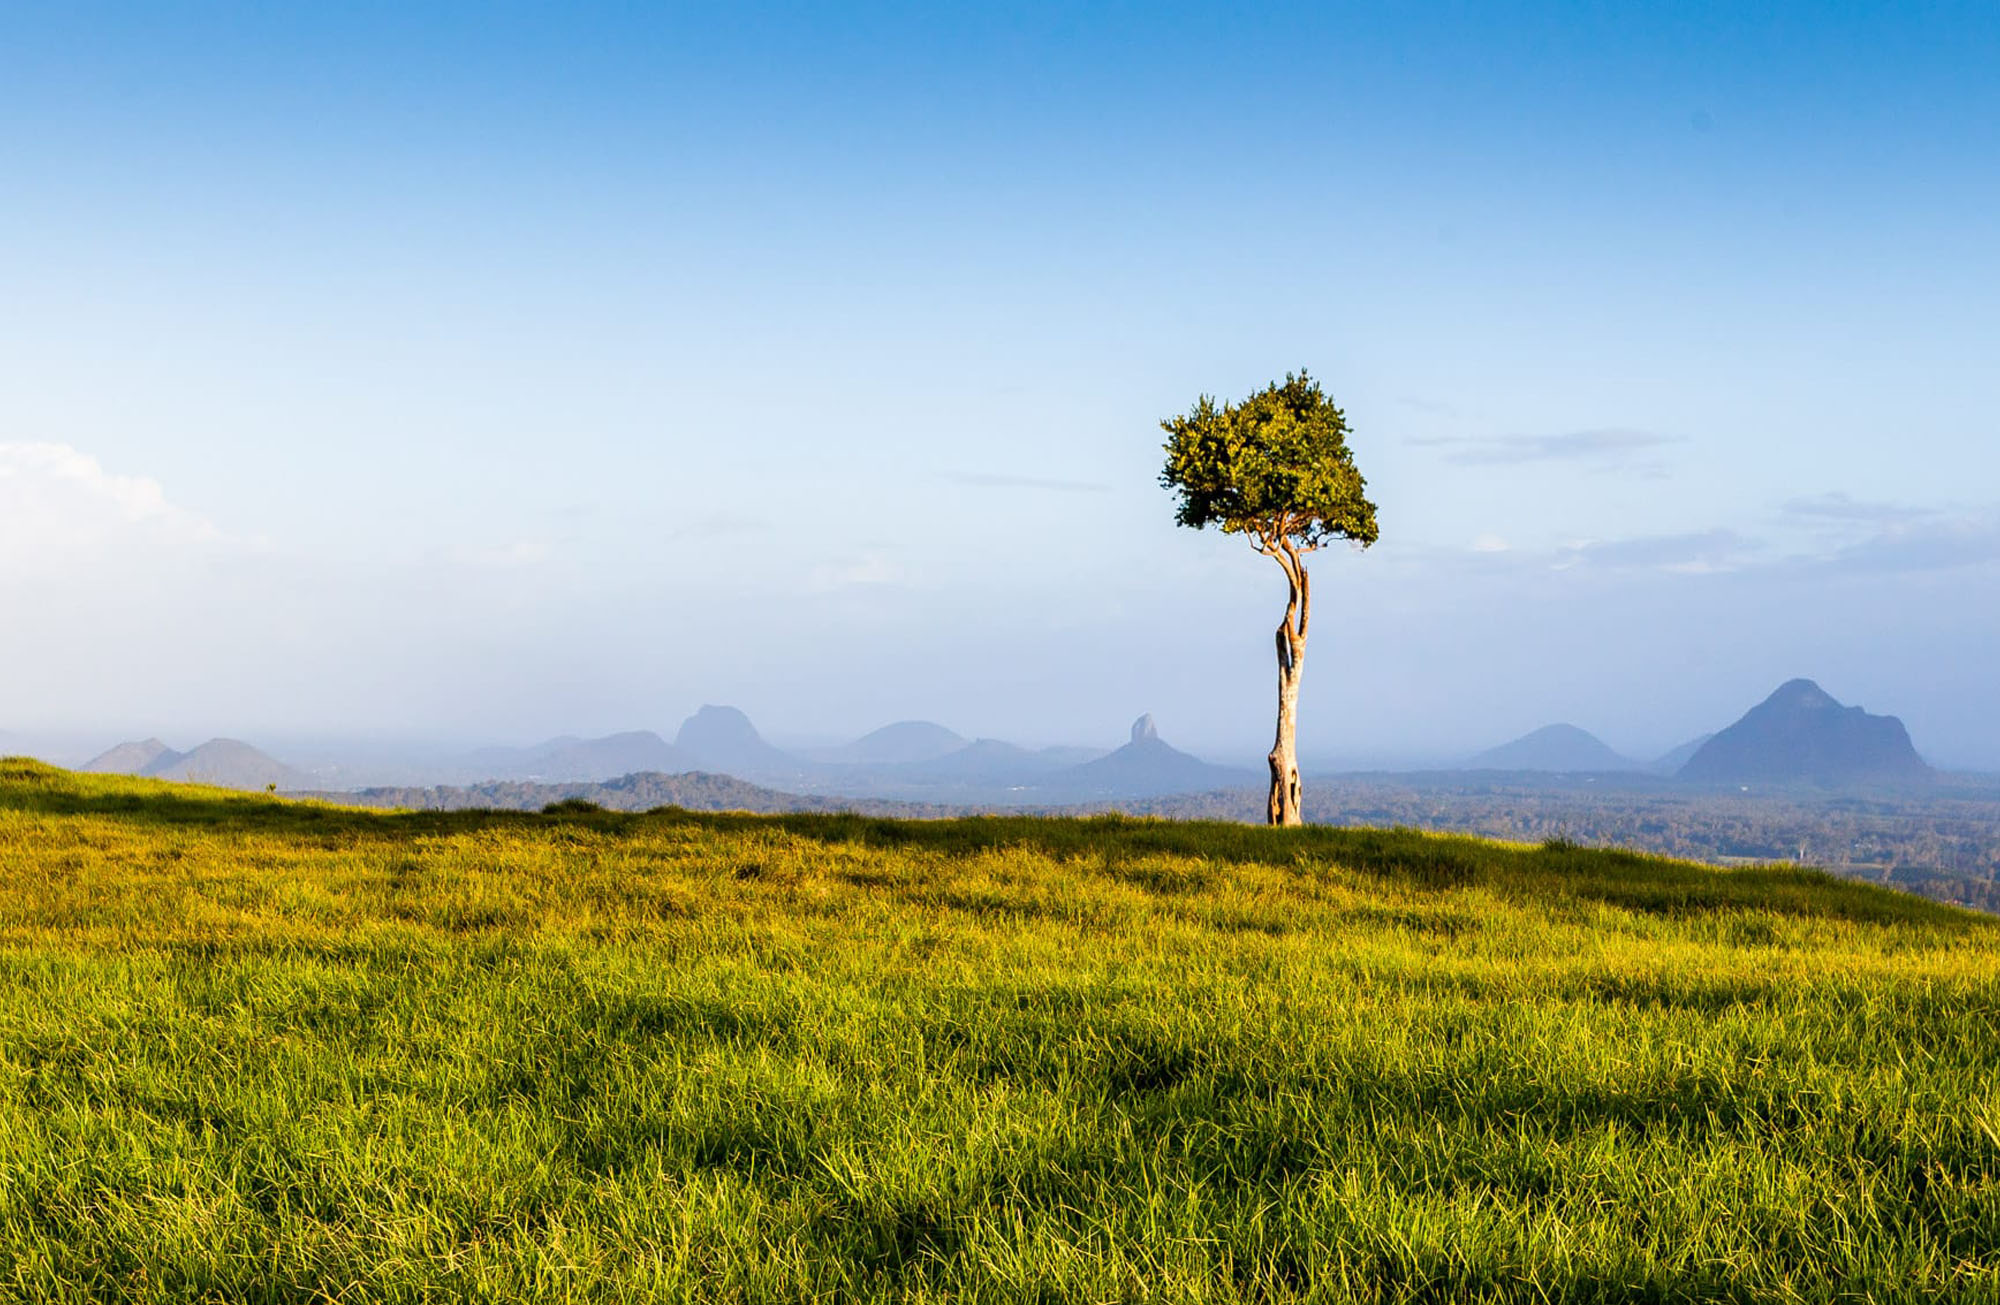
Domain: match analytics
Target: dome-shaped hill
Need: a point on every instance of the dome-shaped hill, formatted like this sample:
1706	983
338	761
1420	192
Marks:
1558	748
903	743
723	739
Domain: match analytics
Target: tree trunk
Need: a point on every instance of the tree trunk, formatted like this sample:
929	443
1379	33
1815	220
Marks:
1284	807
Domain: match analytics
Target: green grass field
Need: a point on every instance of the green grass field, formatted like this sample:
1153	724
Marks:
262	1051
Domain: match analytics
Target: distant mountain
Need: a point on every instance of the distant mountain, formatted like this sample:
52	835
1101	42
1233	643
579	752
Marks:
609	757
134	758
1065	754
569	758
985	775
1145	767
499	761
981	773
1561	748
1801	735
900	744
990	762
1671	763
227	763
722	738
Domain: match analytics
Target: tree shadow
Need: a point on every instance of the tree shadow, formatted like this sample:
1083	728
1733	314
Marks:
1410	858
33	788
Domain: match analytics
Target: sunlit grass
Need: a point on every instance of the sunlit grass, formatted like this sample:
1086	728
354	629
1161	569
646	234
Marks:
252	1050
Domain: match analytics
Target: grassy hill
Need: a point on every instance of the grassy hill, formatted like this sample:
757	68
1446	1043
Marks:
259	1050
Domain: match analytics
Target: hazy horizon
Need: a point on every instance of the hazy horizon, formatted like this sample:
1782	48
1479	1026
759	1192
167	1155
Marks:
393	750
472	376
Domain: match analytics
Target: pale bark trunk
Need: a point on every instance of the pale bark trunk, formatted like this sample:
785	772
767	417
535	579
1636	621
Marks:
1285	805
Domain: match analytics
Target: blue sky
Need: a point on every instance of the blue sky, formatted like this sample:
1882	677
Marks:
493	371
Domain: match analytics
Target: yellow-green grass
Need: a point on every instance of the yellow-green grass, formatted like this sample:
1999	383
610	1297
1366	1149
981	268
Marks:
259	1050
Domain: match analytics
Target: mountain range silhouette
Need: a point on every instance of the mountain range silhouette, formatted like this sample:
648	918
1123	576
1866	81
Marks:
1800	735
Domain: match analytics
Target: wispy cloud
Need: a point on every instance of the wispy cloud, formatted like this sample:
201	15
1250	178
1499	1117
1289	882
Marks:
720	523
867	570
1434	407
1859	535
1697	553
1929	544
1843	509
983	480
1610	447
518	553
1891	540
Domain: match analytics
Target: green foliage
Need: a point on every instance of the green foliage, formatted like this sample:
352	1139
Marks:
260	1050
1275	465
575	806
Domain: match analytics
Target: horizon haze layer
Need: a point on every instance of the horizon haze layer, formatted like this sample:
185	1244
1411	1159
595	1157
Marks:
1798	735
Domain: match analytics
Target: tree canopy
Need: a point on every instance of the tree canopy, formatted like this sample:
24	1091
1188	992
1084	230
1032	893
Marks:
1275	466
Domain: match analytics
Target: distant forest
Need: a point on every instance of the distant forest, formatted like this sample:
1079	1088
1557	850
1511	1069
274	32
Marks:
1942	842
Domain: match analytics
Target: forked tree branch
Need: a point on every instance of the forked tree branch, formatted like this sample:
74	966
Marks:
1295	571
1305	600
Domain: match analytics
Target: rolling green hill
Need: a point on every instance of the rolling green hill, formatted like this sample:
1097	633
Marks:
260	1050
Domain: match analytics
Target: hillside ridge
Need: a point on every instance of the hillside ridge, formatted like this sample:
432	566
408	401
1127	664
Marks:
1437	858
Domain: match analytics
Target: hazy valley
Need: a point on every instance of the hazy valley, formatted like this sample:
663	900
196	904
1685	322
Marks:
1799	777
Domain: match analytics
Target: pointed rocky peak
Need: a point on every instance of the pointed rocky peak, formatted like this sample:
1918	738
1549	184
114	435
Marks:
1802	695
1802	735
1146	767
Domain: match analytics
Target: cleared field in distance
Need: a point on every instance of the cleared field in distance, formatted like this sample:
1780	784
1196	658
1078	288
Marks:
259	1050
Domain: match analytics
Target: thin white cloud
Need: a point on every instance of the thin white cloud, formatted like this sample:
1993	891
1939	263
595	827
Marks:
1609	447
721	523
1842	509
519	553
1696	553
871	569
1433	407
981	480
1857	535
1929	544
1893	540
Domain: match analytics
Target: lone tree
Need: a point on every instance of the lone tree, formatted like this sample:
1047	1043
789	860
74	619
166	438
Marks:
1275	467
